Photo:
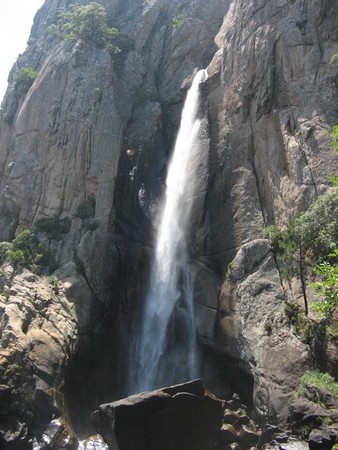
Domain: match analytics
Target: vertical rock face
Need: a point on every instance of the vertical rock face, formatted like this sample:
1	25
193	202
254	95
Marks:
93	127
271	157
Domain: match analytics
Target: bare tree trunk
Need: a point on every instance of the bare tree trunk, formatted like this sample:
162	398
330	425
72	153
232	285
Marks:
302	279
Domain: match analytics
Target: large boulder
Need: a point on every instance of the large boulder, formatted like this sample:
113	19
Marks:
181	416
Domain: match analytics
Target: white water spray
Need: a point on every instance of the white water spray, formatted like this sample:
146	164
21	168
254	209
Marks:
164	351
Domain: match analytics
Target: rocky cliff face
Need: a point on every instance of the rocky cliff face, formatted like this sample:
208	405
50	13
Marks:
94	130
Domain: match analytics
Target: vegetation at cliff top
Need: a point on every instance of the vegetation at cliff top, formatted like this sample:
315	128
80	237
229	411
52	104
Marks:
89	22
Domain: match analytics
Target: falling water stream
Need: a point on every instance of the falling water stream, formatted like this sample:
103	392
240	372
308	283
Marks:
164	350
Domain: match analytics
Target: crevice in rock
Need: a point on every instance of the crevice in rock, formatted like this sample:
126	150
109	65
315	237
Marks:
224	376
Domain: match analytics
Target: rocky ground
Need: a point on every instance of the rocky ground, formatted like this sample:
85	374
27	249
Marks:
38	332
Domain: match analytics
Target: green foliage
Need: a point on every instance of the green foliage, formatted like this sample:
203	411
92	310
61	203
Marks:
292	312
334	59
227	276
55	284
23	80
47	224
321	380
178	20
333	180
16	258
88	22
334	135
313	233
27	252
274	234
120	46
303	431
307	239
86	209
5	293
5	247
52	226
306	329
317	228
326	286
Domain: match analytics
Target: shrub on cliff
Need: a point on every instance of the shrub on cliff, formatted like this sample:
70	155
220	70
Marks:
23	80
27	251
5	247
86	209
88	22
326	287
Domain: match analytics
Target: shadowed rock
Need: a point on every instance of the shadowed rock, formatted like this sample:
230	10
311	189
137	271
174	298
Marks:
181	416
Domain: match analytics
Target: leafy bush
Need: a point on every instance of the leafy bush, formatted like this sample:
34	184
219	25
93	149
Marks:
86	209
23	80
16	258
27	251
326	286
121	45
49	225
178	20
334	59
55	284
5	247
53	226
88	22
306	329
334	135
318	379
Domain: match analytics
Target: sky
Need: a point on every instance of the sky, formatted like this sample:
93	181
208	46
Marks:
16	20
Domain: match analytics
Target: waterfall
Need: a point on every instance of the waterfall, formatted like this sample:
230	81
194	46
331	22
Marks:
164	351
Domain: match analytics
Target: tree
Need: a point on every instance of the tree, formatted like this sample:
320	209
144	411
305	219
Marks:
88	22
307	239
326	287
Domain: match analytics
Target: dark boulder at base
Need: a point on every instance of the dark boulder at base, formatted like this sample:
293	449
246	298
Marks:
322	439
178	417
